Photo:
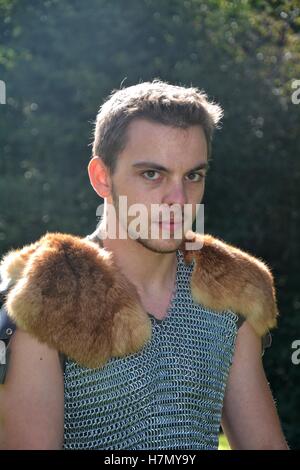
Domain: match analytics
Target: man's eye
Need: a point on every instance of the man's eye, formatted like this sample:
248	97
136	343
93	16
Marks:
196	177
151	175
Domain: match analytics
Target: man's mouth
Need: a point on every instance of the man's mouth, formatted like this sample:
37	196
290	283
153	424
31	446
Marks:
171	225
171	220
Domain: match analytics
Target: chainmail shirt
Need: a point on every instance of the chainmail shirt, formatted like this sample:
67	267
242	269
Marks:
168	395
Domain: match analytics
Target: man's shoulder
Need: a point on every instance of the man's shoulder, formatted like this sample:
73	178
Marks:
226	277
66	291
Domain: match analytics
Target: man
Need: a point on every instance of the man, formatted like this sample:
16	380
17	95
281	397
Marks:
171	358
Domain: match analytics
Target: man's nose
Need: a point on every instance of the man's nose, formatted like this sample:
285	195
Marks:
176	195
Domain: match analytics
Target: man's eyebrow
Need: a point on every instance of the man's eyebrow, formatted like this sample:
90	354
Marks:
157	166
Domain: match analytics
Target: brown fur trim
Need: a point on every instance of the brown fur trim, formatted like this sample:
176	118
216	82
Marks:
226	278
68	293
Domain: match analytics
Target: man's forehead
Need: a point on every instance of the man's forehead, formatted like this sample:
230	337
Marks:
153	141
151	127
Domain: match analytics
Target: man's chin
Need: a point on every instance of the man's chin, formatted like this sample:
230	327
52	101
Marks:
161	245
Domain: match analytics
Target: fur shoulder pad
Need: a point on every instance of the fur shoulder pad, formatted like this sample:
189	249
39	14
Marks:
227	278
68	292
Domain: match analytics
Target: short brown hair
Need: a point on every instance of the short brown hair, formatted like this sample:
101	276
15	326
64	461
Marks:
156	101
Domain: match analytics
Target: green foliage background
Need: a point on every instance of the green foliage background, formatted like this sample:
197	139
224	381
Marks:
59	59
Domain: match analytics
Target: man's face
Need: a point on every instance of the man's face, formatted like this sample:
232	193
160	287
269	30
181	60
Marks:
163	166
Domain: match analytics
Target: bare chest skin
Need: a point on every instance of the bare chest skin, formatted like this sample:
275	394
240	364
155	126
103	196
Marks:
157	311
158	304
158	301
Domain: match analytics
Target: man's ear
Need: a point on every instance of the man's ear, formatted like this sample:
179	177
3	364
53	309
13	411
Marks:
99	176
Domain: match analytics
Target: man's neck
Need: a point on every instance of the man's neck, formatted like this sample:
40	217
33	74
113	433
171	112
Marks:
149	271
